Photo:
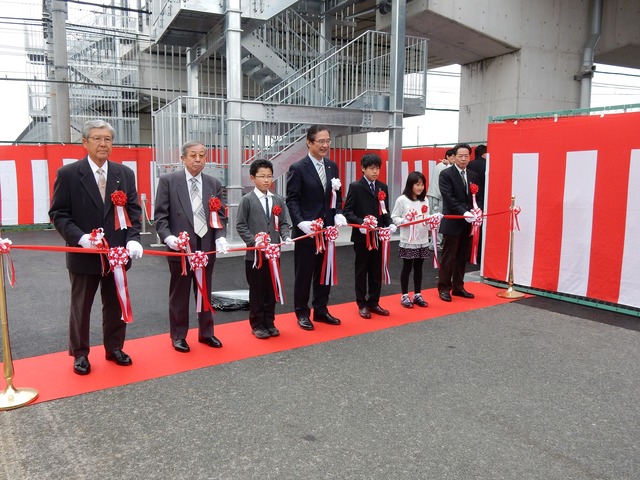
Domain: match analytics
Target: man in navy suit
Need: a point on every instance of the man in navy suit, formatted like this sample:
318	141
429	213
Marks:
309	191
81	203
456	200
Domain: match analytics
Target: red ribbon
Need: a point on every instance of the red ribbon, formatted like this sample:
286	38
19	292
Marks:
261	240
370	223
513	223
477	223
118	258
316	231
276	211
385	237
9	269
381	198
410	216
434	225
329	272
272	253
198	260
183	244
214	217
119	200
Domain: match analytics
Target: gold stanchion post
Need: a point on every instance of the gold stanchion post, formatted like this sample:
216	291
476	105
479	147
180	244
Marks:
11	397
510	292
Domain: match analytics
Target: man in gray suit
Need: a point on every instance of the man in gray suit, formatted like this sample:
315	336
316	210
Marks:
182	204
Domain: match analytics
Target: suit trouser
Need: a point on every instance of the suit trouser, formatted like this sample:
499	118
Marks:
368	279
83	291
308	267
455	255
180	287
262	299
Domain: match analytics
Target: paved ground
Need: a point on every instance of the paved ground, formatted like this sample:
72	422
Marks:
536	389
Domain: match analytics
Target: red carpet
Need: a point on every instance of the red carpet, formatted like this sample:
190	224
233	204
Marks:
52	375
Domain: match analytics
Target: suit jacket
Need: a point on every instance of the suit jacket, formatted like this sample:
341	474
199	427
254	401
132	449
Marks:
456	201
173	212
306	199
361	202
76	209
479	166
252	219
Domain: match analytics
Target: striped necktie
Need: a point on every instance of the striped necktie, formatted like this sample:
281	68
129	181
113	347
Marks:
199	218
322	174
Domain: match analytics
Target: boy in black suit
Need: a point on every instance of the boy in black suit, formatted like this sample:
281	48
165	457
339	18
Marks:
364	198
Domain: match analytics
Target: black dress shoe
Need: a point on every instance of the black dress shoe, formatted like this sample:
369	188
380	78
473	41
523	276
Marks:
463	293
445	296
213	342
81	366
378	310
273	331
119	357
261	333
364	313
305	323
181	345
327	318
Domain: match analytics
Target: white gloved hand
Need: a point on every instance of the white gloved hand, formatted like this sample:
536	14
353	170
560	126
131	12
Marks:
135	249
393	228
363	231
222	245
339	220
305	226
469	217
288	241
172	242
84	242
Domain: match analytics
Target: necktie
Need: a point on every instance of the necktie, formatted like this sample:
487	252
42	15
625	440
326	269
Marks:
322	174
266	208
372	188
199	218
102	183
464	180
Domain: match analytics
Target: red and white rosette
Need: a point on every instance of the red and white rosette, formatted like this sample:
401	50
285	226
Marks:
370	223
9	270
513	221
118	258
476	225
381	198
119	200
335	186
425	211
183	244
96	238
272	254
215	205
276	211
329	272
434	225
260	241
385	241
316	229
411	216
198	261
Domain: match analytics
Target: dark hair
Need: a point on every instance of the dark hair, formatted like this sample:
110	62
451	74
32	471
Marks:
449	152
369	159
314	130
412	179
258	164
461	145
480	150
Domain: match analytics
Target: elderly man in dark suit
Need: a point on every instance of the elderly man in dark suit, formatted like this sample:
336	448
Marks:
81	203
182	204
457	200
309	193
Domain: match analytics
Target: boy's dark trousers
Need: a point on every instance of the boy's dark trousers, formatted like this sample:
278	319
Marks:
262	299
368	275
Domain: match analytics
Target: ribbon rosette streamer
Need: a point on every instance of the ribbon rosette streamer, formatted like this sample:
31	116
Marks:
119	199
477	224
276	211
410	216
381	198
118	258
329	273
272	253
316	229
96	237
214	217
198	261
260	241
370	223
335	186
385	241
183	244
434	225
9	270
515	211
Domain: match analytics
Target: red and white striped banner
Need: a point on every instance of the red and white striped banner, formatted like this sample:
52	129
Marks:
577	181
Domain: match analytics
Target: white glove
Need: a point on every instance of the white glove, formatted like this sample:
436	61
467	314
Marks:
85	243
135	249
172	242
339	220
305	226
363	231
392	228
222	245
469	217
288	241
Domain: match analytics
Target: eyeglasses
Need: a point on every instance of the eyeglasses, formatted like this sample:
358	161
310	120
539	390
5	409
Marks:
264	177
101	139
323	142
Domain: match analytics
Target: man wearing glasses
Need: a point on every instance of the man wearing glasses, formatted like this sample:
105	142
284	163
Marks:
309	191
82	203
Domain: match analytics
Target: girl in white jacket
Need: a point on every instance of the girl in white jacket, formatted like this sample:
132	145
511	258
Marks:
414	240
